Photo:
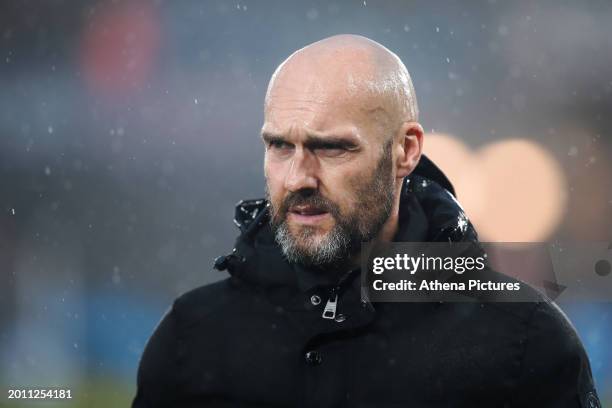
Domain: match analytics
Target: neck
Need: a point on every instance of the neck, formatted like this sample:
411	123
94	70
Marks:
389	230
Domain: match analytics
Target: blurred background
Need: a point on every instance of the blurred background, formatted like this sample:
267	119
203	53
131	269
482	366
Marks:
129	129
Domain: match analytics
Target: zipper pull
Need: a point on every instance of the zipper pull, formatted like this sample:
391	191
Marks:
330	307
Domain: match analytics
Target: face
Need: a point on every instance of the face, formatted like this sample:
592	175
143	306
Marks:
329	173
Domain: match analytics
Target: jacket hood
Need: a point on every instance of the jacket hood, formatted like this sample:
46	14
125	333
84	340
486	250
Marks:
429	212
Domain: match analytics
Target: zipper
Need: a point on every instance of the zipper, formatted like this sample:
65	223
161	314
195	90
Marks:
330	307
329	312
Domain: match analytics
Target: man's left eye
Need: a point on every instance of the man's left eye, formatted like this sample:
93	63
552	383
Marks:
331	151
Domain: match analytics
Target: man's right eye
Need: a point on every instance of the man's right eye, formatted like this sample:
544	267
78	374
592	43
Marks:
279	145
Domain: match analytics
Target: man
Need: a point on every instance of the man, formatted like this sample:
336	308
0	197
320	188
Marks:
344	165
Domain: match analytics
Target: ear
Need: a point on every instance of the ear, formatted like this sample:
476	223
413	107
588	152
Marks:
410	137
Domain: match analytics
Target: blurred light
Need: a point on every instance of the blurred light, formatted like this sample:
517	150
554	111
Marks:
513	190
585	157
119	46
461	166
526	191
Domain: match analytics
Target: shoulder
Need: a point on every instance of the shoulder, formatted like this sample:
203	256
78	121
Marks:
554	366
550	366
536	312
160	364
208	302
551	341
205	297
538	319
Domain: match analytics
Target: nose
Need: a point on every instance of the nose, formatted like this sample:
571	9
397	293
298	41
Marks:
302	171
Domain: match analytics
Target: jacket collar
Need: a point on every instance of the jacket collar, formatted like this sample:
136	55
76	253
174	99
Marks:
428	212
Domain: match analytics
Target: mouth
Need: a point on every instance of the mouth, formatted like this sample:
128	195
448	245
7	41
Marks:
307	214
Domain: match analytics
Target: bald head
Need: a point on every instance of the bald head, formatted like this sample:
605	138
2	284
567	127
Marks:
350	72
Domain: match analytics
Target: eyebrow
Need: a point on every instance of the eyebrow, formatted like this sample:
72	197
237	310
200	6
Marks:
317	142
270	137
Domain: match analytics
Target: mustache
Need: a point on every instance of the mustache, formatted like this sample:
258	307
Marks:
302	198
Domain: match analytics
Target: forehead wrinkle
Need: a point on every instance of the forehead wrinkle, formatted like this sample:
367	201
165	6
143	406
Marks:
352	74
311	134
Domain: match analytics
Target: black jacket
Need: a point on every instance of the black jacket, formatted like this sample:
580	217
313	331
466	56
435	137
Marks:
257	339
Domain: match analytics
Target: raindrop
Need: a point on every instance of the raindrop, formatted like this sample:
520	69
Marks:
116	276
312	14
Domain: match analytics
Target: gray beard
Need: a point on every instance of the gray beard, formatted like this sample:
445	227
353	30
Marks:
332	249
